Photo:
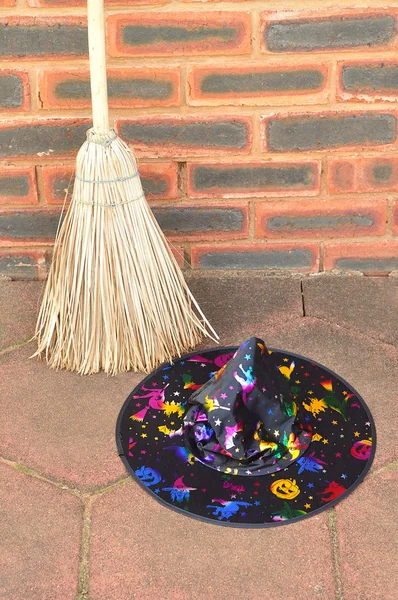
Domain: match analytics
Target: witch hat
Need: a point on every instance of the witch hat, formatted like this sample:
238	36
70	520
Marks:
267	437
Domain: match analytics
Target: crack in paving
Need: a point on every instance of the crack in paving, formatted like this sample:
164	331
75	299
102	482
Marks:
302	298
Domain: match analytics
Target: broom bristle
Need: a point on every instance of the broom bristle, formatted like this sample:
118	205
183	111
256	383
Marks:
115	298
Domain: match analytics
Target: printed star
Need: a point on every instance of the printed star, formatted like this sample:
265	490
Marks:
257	503
144	435
203	490
338	455
310	497
263	389
297	381
285	360
334	422
138	404
233	496
223	396
248	472
325	441
157	491
310	485
143	451
276	433
306	374
344	476
143	426
217	422
341	435
202	365
154	385
156	438
165	377
270	411
367	423
237	450
356	433
247	356
176	394
307	505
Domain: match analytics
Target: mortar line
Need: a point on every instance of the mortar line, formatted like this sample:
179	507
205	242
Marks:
15	346
33	473
83	576
336	562
384	469
59	484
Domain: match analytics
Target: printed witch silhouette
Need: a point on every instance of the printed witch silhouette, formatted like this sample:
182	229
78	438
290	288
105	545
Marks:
156	401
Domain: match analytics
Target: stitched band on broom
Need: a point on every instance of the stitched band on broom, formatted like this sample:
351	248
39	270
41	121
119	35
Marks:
115	298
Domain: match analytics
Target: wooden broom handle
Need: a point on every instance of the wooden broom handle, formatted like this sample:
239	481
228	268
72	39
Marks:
97	50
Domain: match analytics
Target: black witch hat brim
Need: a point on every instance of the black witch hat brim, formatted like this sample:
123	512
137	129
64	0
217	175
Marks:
151	445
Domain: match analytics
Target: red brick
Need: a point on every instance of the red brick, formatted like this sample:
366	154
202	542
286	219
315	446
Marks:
23	264
328	30
7	2
368	257
253	179
14	90
328	131
254	84
367	81
182	33
172	136
18	185
365	174
326	219
293	257
56	180
30	38
36	227
131	87
203	222
45	138
394	223
70	3
159	180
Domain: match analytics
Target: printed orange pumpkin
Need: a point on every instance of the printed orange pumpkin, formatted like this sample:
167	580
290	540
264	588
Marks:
285	488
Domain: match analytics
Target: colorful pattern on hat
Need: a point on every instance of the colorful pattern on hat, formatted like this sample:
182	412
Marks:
321	447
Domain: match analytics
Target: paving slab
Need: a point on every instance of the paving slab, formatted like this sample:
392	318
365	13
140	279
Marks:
369	304
61	423
19	303
367	531
239	297
142	550
40	536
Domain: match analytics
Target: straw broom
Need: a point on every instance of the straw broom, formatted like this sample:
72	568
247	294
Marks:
115	297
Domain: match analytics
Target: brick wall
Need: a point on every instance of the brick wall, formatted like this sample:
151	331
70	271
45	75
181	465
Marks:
266	136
